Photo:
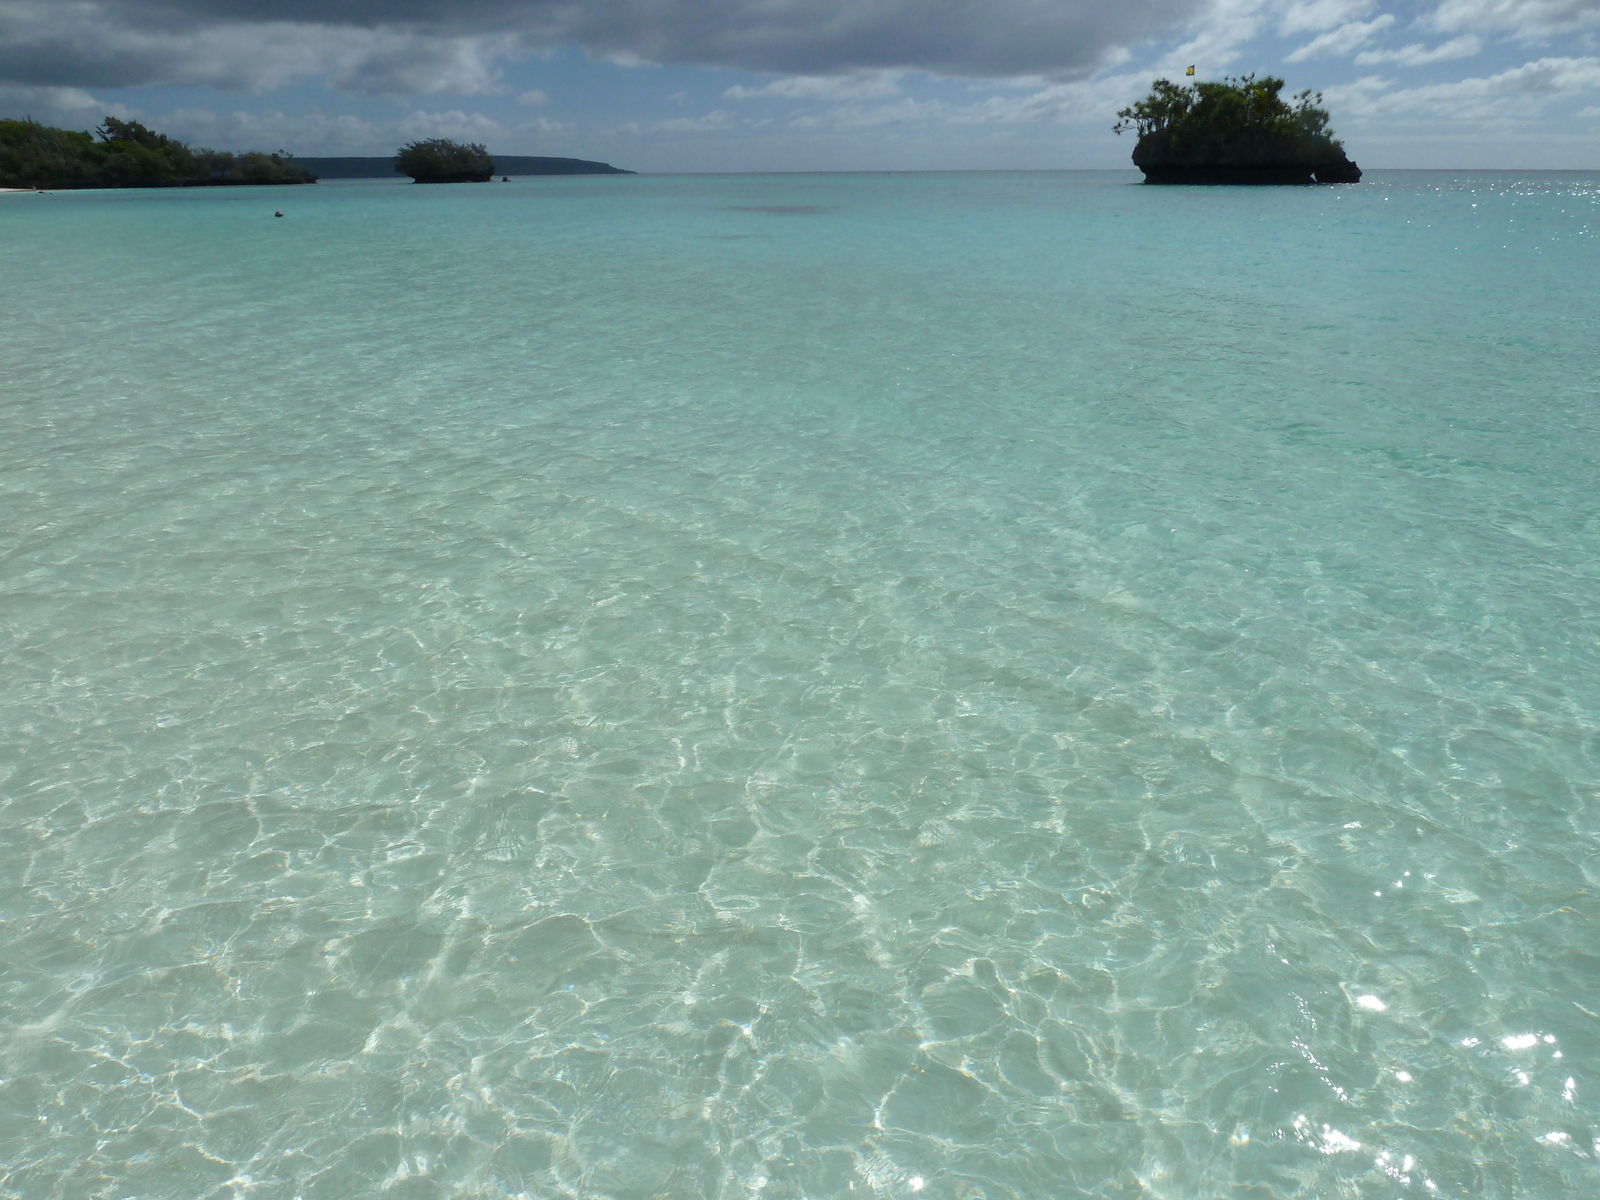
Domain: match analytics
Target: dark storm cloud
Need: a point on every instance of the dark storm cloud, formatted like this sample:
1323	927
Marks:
432	46
963	37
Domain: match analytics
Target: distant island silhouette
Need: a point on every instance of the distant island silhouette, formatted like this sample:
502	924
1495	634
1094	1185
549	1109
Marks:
504	164
1236	131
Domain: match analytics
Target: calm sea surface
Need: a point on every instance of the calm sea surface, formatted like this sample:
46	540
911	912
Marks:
960	686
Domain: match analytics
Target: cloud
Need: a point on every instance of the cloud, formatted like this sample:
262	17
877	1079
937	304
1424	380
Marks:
1341	40
1356	97
454	46
846	116
1227	25
1525	20
1419	55
386	62
73	107
305	133
717	119
462	126
1518	94
838	64
88	44
271	130
859	86
1317	15
1062	103
858	116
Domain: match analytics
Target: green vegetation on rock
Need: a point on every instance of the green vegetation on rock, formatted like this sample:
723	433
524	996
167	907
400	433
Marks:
439	160
1237	131
126	154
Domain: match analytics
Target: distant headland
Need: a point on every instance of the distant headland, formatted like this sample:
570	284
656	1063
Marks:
125	154
1236	131
504	164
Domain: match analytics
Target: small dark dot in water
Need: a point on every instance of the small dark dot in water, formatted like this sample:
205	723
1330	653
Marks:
788	210
279	213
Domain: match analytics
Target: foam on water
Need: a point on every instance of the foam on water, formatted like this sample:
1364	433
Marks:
967	686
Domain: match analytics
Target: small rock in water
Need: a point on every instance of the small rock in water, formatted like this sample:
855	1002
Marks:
279	213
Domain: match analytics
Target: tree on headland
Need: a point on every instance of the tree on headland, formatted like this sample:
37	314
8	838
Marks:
1236	131
439	160
127	154
133	156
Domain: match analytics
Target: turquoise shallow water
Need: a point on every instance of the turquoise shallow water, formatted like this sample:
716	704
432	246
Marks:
878	686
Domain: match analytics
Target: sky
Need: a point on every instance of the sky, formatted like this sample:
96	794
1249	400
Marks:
804	85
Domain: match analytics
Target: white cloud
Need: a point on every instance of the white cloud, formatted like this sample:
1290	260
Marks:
1355	97
302	133
462	126
455	124
1221	31
1342	40
1418	55
533	99
390	62
858	116
868	116
717	119
1525	20
1062	103
865	85
72	107
1520	94
1317	15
